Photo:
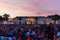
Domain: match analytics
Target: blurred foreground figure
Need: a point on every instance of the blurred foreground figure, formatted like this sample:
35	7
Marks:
30	32
29	38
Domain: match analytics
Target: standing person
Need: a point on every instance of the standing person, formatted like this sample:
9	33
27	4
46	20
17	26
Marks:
40	35
19	38
28	38
55	37
56	29
2	38
46	31
9	38
33	35
58	34
27	34
51	32
13	38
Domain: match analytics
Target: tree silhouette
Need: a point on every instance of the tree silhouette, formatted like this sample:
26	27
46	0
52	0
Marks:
54	17
5	16
1	19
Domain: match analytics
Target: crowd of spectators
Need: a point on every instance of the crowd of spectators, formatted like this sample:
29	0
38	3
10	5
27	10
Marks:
30	32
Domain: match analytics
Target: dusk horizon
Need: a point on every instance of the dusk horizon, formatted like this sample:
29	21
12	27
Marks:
29	7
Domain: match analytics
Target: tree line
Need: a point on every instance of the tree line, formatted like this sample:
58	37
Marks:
54	17
4	17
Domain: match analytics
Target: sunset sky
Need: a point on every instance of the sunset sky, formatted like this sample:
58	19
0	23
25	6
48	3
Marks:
29	7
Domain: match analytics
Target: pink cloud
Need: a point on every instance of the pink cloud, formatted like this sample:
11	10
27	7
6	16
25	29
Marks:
38	7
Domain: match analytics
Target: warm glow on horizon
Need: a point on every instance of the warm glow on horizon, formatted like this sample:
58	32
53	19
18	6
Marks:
29	7
14	12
